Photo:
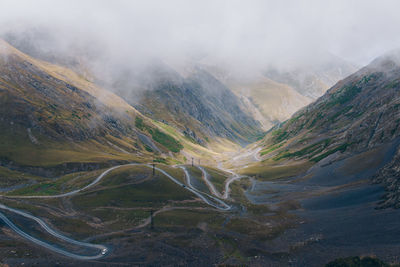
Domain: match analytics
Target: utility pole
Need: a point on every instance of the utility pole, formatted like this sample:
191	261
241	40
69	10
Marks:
192	161
154	168
151	220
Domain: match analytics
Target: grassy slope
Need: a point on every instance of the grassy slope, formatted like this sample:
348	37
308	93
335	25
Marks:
275	101
197	179
71	119
192	149
9	178
271	171
69	76
218	178
358	113
63	184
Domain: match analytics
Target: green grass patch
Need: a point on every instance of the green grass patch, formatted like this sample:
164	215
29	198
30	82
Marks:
217	178
279	135
166	140
10	178
60	185
175	172
163	138
272	148
160	160
139	123
341	112
268	172
197	180
150	193
340	148
311	149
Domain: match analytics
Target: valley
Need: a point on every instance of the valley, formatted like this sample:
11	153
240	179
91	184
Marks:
165	167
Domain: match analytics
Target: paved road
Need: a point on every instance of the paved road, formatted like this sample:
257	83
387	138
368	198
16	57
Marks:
219	203
98	179
210	200
52	232
233	178
206	178
250	153
204	196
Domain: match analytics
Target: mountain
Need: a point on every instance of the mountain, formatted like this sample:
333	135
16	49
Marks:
270	102
260	99
273	95
358	114
51	117
199	105
313	80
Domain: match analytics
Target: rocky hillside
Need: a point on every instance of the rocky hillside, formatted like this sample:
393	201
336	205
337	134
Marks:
49	115
199	104
358	114
270	102
260	99
272	96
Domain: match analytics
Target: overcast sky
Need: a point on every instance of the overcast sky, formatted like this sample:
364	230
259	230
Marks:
247	31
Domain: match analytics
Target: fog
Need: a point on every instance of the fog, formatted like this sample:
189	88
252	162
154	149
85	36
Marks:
245	34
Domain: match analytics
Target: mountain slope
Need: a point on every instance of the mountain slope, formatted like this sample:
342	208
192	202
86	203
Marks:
360	113
272	96
51	116
315	79
199	105
266	97
275	102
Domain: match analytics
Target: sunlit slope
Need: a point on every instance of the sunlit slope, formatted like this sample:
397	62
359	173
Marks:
51	115
199	105
273	94
270	102
357	114
68	76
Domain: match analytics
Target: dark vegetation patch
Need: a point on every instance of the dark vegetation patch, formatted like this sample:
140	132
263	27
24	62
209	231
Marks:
279	135
268	172
310	150
155	192
272	148
340	148
164	139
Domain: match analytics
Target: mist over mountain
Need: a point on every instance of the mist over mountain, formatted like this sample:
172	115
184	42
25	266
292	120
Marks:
104	44
248	37
207	133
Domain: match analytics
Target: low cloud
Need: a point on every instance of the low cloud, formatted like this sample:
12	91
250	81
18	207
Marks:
243	34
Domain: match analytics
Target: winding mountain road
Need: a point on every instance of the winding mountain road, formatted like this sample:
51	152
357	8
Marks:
223	205
208	199
206	178
74	192
233	178
103	249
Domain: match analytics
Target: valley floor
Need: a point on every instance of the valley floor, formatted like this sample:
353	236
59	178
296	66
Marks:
200	215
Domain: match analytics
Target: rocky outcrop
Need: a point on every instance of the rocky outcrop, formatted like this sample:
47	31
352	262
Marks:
389	177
